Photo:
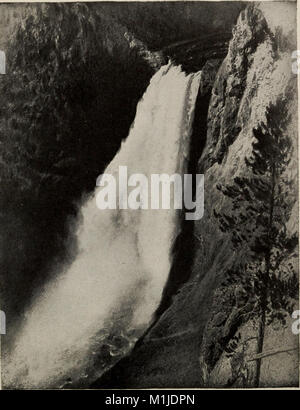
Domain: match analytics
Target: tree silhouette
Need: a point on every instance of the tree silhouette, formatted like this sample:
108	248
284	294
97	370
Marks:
262	203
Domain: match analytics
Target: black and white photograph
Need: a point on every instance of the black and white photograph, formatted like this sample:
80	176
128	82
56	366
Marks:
149	188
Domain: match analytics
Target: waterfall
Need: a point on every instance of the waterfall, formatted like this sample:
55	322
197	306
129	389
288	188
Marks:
106	298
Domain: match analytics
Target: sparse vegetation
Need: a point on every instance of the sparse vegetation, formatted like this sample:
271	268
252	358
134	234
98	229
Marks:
262	202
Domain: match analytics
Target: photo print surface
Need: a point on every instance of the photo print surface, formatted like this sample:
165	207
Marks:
149	195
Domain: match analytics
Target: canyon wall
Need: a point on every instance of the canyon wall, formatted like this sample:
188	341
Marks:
185	346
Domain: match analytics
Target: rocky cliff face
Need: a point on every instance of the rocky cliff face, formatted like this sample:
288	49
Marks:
75	73
255	73
86	97
185	346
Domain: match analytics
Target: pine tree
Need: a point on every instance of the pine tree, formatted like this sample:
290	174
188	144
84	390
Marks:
261	207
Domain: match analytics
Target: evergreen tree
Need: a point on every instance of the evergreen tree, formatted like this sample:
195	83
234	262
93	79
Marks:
262	203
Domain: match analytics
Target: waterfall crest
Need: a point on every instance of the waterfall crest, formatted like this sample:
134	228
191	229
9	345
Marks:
111	290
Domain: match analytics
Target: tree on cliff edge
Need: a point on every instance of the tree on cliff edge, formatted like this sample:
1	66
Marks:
261	207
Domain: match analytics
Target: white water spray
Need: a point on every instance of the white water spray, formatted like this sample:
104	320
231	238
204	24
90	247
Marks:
116	281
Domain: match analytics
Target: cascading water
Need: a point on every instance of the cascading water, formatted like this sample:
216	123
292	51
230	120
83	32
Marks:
99	305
